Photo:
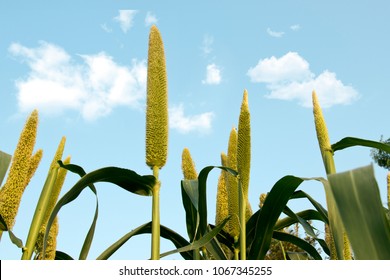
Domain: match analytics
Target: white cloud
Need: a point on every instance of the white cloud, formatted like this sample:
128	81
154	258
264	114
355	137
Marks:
290	78
185	124
106	28
56	82
207	43
213	75
295	27
125	19
276	34
150	19
290	67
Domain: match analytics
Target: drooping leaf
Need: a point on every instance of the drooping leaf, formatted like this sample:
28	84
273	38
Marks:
202	206
321	210
165	232
352	141
283	236
189	193
62	256
203	241
308	214
262	228
357	198
124	178
308	228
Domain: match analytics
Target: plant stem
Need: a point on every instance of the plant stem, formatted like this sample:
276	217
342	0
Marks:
242	208
39	214
236	249
156	217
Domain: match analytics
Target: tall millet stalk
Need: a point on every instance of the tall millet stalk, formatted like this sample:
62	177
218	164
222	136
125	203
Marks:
156	126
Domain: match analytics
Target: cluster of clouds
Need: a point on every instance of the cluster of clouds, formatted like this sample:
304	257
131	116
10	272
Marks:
213	71
279	34
91	84
125	19
289	78
94	84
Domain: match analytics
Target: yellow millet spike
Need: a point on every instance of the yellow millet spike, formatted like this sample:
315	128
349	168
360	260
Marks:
327	157
34	162
262	198
244	150
323	137
58	154
12	191
51	240
188	165
232	185
156	103
222	205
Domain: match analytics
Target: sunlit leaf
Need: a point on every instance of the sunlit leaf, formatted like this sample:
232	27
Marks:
199	243
165	232
202	181
357	198
283	236
352	141
190	198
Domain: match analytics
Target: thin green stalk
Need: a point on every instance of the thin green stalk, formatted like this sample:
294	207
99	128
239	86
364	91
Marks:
283	251
236	249
39	214
156	217
242	212
327	157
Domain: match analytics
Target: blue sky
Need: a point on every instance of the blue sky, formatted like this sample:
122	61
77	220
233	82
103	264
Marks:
83	66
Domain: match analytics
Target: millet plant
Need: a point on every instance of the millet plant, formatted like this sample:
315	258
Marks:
357	226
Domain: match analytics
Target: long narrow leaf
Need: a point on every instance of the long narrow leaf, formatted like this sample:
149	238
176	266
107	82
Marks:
124	178
273	206
352	141
308	229
199	243
202	207
89	237
356	195
321	210
308	214
165	232
282	236
190	198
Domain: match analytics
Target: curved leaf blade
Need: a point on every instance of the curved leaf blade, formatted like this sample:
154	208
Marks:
283	236
268	215
202	186
165	232
357	198
203	241
190	198
352	141
124	178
